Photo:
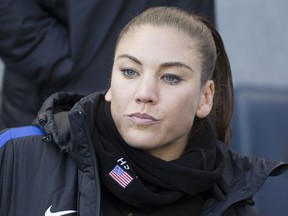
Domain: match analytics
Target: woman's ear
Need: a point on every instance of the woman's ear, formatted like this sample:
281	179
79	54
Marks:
206	100
108	95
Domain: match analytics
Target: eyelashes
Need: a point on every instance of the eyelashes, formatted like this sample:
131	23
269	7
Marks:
171	79
168	78
129	73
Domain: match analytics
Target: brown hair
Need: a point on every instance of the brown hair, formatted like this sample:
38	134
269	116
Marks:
215	63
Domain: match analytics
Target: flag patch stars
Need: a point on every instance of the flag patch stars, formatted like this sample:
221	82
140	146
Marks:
120	176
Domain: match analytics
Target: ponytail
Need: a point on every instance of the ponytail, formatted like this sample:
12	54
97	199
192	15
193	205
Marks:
223	104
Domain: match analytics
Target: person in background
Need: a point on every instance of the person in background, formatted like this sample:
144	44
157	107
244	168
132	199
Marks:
52	46
155	143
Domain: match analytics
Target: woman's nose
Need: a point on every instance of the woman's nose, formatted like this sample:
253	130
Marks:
147	90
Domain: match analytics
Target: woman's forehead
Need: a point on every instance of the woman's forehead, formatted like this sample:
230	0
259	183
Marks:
155	36
158	42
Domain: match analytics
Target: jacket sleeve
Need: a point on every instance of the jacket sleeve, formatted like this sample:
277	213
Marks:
33	42
6	173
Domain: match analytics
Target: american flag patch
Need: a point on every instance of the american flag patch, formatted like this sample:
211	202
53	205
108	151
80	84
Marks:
120	176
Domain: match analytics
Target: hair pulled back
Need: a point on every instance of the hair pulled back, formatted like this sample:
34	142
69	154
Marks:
215	63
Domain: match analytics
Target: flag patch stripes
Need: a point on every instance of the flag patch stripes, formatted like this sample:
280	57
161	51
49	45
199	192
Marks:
120	176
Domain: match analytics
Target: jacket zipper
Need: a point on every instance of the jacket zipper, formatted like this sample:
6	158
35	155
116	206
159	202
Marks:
97	178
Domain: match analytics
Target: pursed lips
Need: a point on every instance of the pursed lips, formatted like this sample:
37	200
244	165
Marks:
142	118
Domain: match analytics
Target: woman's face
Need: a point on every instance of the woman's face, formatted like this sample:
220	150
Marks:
155	90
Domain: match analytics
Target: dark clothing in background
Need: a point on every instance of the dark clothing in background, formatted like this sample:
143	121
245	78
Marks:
63	45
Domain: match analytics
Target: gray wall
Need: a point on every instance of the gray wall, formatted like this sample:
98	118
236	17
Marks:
255	33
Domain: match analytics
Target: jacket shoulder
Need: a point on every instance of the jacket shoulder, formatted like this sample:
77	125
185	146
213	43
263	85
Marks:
19	132
241	179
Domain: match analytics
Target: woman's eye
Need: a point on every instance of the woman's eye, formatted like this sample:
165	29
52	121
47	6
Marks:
128	73
171	79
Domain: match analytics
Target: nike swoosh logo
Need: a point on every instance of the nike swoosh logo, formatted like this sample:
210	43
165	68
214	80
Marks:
60	213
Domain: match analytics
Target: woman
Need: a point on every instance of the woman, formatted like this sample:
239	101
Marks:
154	144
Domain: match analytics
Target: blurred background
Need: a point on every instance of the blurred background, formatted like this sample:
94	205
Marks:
255	35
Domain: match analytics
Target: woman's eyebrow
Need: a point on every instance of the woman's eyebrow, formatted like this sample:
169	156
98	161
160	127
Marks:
129	57
176	64
163	65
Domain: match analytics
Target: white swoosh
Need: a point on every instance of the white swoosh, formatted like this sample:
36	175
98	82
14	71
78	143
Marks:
60	213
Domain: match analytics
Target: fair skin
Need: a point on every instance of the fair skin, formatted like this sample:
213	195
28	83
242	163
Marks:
155	90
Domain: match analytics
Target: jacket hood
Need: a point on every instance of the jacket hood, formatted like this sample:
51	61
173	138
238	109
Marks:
53	117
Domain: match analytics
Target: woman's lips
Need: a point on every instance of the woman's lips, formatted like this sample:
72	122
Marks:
142	118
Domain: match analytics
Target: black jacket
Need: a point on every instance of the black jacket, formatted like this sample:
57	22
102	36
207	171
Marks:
52	166
63	45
